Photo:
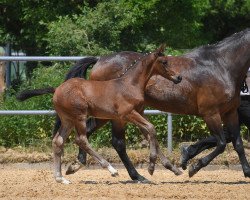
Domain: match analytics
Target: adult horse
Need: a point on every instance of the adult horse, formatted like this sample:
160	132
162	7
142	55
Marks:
212	76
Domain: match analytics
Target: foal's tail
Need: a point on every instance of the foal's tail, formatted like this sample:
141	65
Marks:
80	69
26	94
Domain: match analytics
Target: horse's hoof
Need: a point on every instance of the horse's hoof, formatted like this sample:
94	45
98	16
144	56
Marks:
247	173
62	180
184	157
191	171
73	168
145	181
141	179
177	172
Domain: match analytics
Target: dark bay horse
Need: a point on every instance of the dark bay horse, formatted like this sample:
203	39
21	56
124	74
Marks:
212	76
120	100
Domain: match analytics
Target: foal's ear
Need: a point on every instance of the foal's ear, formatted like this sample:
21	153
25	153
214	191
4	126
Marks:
160	50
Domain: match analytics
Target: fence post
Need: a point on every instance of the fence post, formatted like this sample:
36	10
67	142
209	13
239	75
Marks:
170	130
8	66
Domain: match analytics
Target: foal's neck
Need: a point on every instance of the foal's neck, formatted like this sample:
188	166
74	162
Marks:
140	74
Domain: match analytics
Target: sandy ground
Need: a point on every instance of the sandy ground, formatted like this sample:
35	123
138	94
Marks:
22	181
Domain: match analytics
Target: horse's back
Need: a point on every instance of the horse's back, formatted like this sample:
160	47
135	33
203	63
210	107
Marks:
111	66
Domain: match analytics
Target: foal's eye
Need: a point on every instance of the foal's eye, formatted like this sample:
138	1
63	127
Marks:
164	62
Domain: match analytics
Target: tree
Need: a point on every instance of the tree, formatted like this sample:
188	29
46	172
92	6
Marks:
23	22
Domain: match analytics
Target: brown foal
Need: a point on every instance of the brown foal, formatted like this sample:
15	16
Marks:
118	99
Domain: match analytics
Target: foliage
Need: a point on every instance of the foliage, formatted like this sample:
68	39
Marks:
96	27
18	129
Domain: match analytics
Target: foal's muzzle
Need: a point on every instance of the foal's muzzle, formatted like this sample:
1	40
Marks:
177	79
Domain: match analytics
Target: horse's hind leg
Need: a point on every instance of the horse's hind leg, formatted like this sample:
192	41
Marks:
82	142
57	145
118	142
92	125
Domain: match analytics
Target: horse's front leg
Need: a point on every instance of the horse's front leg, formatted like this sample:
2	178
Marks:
189	152
214	124
119	143
232	122
93	124
146	126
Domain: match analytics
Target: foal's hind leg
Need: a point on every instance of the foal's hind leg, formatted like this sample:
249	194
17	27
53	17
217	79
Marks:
57	145
82	142
92	125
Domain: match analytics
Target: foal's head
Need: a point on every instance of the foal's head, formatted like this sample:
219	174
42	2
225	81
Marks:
162	67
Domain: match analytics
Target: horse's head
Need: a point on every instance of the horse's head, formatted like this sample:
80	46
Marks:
161	66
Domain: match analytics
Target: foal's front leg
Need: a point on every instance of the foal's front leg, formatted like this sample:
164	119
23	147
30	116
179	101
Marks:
164	160
82	142
143	124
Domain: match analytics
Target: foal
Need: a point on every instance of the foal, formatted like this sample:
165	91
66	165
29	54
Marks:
119	99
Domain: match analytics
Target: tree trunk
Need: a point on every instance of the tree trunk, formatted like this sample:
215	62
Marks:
2	75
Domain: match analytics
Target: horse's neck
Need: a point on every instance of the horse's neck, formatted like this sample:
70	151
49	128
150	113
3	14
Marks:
140	74
236	59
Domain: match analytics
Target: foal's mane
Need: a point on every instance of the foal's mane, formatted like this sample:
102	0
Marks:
133	65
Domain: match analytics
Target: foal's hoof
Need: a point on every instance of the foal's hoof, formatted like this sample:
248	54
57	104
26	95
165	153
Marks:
115	174
151	170
74	167
62	180
192	171
177	172
184	157
113	171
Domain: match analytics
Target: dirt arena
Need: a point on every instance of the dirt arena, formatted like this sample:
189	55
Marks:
24	181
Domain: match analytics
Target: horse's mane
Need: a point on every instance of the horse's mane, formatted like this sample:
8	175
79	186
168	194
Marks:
233	40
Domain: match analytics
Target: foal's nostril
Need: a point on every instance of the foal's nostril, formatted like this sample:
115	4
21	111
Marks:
179	78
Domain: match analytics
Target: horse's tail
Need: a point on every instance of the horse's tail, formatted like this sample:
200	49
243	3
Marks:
80	69
26	94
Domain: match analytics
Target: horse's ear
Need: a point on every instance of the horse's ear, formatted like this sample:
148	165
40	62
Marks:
160	50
